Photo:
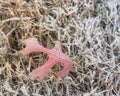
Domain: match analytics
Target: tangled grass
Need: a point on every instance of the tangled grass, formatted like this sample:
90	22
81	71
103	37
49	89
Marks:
89	31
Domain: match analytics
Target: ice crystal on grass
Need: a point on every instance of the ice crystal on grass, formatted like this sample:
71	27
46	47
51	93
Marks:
89	31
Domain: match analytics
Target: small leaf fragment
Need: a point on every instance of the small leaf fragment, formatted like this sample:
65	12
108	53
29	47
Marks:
55	56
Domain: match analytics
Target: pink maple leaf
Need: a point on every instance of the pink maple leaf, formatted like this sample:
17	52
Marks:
55	56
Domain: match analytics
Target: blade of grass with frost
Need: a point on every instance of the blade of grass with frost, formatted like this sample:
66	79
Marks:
55	55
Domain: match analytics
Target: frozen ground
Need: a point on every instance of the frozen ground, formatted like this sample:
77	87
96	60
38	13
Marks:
89	31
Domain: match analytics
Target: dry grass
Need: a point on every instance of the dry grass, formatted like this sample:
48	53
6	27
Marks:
89	31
